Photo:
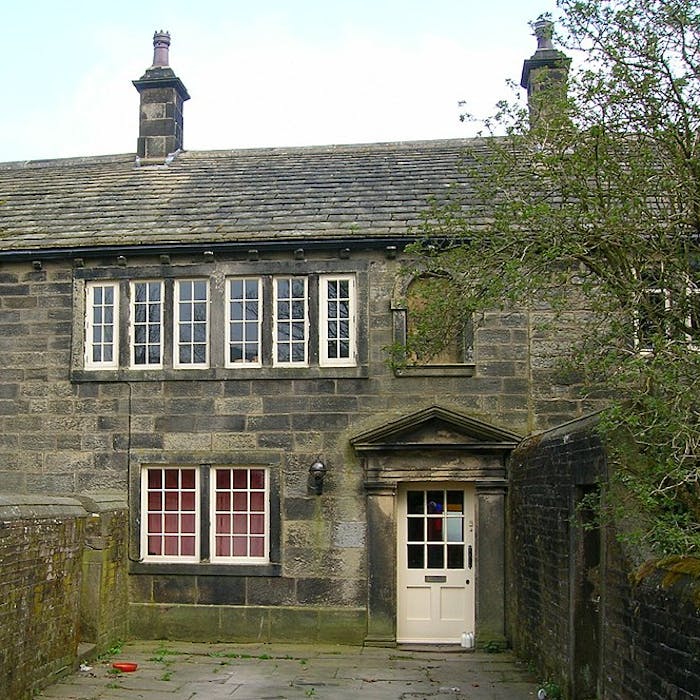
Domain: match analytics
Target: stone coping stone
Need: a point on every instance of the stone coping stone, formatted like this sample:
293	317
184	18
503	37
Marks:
103	501
16	506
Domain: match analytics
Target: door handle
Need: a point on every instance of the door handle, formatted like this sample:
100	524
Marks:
469	557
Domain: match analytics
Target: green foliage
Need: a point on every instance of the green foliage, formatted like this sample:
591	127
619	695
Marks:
552	690
589	210
114	650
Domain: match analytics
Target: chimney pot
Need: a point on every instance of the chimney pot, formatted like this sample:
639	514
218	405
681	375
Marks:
161	47
544	29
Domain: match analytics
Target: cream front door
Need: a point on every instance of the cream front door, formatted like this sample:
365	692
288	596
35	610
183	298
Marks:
435	541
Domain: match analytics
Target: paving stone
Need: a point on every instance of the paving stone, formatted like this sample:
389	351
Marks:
287	672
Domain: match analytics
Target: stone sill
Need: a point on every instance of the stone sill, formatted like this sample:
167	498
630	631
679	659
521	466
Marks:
204	569
219	374
465	370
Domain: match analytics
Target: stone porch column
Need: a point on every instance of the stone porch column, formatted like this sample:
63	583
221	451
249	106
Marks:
381	563
490	563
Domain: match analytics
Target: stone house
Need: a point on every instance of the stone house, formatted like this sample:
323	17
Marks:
205	333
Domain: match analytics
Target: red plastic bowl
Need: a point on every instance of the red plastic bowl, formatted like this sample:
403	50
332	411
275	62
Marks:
125	666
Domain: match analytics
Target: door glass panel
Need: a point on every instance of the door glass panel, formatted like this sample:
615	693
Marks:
455	556
415	556
436	503
434	529
415	530
454	529
436	556
455	501
414	502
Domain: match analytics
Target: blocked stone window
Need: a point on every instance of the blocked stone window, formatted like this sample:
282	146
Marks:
414	305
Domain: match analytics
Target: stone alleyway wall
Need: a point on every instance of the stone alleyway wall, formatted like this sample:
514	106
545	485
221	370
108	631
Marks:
62	585
592	621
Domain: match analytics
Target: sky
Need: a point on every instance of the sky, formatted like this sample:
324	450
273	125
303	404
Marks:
260	74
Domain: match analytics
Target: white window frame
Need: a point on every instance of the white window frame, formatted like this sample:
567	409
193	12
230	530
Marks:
90	326
177	341
276	321
323	335
244	321
216	512
147	323
642	347
145	512
691	289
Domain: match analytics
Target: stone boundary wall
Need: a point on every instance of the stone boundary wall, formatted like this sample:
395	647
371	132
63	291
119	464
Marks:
591	620
61	567
652	647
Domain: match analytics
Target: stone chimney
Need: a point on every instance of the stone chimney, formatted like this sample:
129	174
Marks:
162	98
545	74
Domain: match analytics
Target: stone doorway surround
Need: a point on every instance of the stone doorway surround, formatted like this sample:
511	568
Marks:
435	444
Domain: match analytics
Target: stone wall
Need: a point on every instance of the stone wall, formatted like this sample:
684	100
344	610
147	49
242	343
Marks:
67	429
51	560
588	617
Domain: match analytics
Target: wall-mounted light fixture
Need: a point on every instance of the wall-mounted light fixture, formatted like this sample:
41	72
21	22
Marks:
317	471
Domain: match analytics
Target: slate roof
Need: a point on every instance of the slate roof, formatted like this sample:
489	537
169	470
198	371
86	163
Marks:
369	192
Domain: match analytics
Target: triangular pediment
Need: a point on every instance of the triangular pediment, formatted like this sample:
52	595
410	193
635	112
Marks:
435	427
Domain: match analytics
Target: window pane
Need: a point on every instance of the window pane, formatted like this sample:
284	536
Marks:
223	501
415	502
188	501
455	556
436	556
223	524
223	546
188	478
257	502
415	529
240	524
257	546
415	556
171	500
187	522
223	478
454	529
240	501
435	502
257	524
434	529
